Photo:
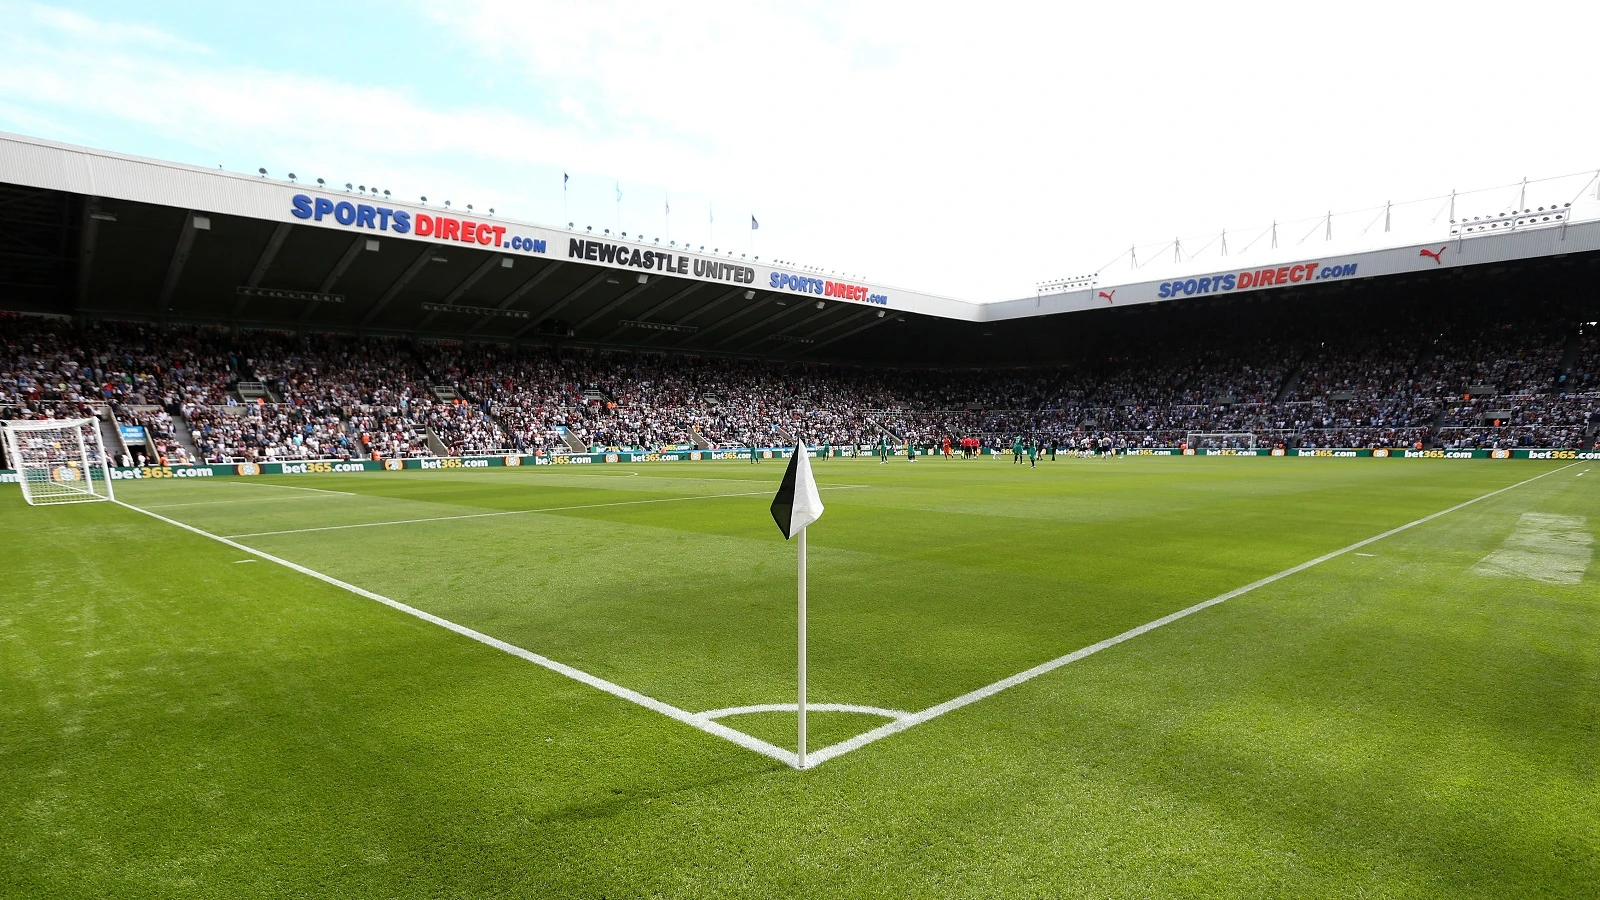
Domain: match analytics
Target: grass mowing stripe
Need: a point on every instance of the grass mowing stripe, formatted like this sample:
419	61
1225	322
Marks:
290	487
505	512
821	756
616	690
292	498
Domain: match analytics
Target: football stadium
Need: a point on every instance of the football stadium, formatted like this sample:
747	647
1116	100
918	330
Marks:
362	546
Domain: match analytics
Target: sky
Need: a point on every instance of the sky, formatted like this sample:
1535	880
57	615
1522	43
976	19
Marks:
962	149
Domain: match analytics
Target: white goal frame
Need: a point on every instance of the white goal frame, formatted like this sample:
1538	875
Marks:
62	470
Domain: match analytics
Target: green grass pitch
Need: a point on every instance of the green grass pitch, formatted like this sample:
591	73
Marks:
179	718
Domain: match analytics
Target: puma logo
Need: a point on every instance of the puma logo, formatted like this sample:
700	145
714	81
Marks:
1108	296
1434	255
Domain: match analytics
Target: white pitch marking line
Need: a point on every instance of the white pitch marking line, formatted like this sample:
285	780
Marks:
710	727
291	487
818	757
238	561
714	714
1366	554
504	512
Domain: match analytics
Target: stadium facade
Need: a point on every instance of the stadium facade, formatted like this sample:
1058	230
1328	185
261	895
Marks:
378	332
103	234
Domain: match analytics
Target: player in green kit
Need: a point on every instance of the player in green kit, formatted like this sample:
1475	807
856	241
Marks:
883	450
1016	451
1033	454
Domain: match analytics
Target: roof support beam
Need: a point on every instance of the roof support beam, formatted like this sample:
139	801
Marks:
180	257
417	265
343	266
561	304
339	268
855	316
268	254
466	285
520	292
800	324
693	313
757	304
767	321
812	348
626	296
645	316
88	239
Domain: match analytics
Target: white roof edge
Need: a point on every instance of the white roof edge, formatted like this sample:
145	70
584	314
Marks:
52	165
40	163
1454	252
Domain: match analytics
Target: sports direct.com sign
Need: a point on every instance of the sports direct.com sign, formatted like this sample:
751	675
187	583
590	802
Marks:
1245	279
443	227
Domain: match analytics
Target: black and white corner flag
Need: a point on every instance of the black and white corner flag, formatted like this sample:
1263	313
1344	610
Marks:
798	504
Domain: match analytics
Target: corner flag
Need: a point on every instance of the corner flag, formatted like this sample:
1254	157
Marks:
797	504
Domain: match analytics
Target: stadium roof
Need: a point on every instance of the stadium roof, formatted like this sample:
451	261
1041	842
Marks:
90	232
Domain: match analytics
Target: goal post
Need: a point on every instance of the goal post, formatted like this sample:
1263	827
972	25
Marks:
58	460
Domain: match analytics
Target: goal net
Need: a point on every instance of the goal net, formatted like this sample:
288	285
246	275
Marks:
1221	440
58	460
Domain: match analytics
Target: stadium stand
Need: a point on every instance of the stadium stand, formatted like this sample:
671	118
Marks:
1489	375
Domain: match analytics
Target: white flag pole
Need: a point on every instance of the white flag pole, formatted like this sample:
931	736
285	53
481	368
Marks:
802	704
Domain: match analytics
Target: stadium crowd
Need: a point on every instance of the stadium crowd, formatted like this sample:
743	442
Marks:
219	395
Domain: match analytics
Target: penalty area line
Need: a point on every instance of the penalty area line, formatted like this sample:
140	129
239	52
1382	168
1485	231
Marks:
708	726
818	757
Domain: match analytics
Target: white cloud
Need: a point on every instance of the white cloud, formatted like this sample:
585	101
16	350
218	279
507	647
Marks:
944	147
